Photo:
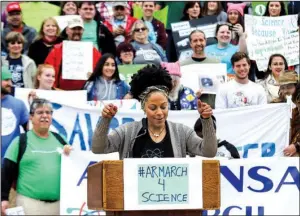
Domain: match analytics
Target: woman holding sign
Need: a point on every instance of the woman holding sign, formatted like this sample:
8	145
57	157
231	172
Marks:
154	136
105	82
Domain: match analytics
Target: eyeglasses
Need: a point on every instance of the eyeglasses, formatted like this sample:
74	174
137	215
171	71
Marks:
14	42
140	29
42	112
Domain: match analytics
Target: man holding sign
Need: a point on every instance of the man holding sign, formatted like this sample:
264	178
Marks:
74	31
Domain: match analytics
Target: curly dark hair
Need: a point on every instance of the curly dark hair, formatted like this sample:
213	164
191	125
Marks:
150	75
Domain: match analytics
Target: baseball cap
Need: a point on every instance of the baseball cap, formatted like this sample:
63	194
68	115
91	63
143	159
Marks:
123	4
75	22
5	73
288	77
13	6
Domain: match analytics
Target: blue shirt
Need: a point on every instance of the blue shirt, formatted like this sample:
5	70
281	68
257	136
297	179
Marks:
16	69
222	54
14	114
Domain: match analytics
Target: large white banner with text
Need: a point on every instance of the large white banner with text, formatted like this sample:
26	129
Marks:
73	190
257	131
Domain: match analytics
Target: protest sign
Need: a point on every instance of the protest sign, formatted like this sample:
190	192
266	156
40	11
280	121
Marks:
19	210
266	133
73	192
153	184
62	21
207	77
126	71
266	186
269	35
77	60
182	30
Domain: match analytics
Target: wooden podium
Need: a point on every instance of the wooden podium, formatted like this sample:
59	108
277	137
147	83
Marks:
106	190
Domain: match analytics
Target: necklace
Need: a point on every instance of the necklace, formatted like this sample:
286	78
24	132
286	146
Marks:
156	135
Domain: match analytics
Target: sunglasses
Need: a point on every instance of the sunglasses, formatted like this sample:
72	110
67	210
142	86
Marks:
140	29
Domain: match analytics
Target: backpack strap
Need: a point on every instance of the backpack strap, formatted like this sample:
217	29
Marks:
59	138
22	146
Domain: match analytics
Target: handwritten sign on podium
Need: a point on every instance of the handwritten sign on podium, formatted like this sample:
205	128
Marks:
77	60
162	183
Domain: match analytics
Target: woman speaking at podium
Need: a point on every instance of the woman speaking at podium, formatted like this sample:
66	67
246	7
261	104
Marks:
154	136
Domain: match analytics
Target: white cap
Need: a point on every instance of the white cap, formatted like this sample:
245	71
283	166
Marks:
75	22
124	4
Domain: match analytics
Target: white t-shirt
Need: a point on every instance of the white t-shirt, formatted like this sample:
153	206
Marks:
234	94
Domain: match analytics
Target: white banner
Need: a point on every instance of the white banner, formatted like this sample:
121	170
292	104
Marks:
53	96
270	35
73	190
257	131
268	186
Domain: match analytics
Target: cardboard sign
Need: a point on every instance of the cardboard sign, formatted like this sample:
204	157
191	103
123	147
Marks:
162	183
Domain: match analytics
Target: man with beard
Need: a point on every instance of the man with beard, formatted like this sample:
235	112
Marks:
95	30
240	91
14	112
74	32
180	97
15	23
197	40
34	163
120	24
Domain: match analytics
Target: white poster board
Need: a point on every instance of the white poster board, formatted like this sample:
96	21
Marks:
62	21
207	77
270	35
162	183
73	192
77	60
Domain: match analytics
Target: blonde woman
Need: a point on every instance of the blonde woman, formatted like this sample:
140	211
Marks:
48	37
146	52
45	77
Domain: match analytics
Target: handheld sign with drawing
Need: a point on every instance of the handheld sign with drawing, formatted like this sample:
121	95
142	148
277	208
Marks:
19	210
208	77
77	60
162	183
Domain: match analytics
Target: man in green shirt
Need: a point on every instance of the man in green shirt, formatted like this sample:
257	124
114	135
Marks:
38	171
94	30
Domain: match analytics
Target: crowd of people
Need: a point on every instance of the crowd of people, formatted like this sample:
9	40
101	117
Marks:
34	59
